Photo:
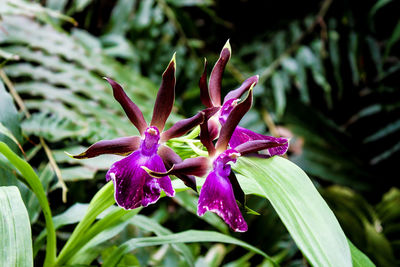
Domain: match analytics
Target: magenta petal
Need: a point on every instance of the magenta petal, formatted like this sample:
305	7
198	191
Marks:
217	196
133	187
242	135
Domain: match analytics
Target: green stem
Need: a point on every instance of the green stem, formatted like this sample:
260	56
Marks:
34	183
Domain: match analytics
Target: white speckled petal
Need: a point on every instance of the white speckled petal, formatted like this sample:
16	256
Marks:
217	196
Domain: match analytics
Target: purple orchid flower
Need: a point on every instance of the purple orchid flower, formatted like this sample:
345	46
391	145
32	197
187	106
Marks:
221	188
211	97
133	187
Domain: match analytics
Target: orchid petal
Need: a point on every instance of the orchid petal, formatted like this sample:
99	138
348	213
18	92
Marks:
246	141
233	120
183	126
204	93
119	146
170	158
216	75
191	166
217	196
206	139
131	109
165	97
133	187
237	93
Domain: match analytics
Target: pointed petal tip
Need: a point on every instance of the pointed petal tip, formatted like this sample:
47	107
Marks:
228	46
69	155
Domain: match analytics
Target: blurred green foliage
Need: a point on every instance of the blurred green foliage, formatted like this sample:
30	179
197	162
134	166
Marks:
327	79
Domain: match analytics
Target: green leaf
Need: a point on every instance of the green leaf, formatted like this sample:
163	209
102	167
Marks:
33	181
100	202
393	39
359	259
191	236
301	208
15	229
9	119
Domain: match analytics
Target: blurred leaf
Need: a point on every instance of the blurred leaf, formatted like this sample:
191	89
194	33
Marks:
15	235
9	120
183	3
393	39
378	5
305	214
191	236
279	93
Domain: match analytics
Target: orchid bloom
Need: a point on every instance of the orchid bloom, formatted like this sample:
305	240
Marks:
211	97
133	187
221	188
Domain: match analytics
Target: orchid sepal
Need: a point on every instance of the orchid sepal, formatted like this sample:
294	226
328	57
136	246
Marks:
132	111
165	96
118	146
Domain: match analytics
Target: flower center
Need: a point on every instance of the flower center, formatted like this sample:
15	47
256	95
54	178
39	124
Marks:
149	144
221	165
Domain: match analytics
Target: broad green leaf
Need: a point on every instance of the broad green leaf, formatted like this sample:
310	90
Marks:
15	229
359	259
301	208
191	236
33	181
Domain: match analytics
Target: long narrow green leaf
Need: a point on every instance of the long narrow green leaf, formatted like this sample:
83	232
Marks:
101	201
191	236
15	229
301	208
34	183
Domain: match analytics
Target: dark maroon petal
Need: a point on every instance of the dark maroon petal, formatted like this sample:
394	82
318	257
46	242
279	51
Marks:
206	138
217	196
216	75
233	120
192	166
182	127
131	109
237	93
170	158
165	97
133	187
119	146
246	141
204	94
